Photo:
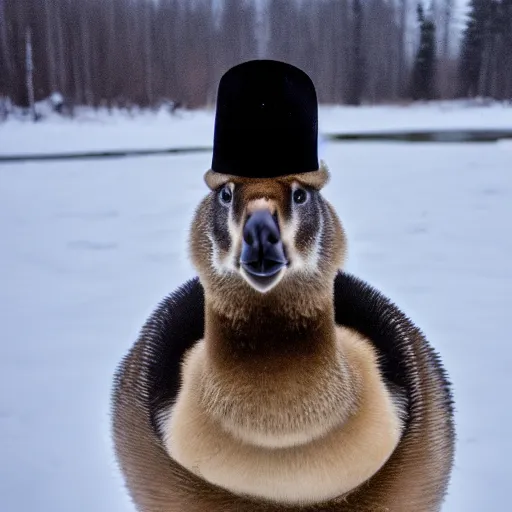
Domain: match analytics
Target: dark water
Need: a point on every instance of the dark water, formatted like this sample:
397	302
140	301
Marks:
425	136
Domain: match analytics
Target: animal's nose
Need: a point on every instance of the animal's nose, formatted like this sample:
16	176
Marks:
262	248
261	230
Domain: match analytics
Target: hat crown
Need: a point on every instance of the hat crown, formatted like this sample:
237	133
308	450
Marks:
266	122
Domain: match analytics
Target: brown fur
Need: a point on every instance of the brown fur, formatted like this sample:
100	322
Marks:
413	479
284	339
294	438
226	294
316	179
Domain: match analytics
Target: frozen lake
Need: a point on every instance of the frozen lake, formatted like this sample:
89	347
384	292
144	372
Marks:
89	248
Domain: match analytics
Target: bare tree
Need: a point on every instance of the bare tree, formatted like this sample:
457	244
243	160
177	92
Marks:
506	54
29	66
6	65
148	50
141	52
62	78
448	6
357	63
403	9
50	44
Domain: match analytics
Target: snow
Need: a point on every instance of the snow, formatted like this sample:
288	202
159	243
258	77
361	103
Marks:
56	98
96	131
89	248
421	116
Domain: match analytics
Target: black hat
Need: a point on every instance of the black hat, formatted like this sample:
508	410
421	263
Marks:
266	124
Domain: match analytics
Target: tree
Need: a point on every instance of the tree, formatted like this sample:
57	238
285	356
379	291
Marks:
29	66
50	44
402	42
6	64
473	47
506	52
423	76
141	52
442	13
447	18
356	86
148	51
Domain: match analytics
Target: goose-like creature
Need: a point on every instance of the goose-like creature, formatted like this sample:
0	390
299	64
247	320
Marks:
275	381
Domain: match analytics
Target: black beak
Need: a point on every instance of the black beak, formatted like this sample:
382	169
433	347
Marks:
262	248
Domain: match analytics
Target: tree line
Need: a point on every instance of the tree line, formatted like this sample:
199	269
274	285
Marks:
145	52
486	52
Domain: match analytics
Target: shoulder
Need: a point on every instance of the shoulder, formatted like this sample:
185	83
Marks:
406	358
176	326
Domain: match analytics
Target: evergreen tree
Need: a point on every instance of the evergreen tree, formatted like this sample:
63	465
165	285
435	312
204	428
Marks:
496	81
423	75
506	54
472	48
146	52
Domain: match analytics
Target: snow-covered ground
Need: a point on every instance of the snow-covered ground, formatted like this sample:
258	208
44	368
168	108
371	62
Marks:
94	131
89	248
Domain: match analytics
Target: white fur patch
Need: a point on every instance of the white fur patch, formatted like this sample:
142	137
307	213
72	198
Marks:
302	263
225	265
215	259
288	233
263	286
235	236
314	257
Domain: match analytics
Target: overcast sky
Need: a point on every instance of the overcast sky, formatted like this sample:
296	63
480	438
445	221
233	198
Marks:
459	18
462	4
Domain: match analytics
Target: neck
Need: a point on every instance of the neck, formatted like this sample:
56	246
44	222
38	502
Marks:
275	326
274	375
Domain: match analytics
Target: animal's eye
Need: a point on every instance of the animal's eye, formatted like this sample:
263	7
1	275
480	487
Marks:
226	195
300	196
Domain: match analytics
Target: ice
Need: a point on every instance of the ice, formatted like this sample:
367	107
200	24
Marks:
95	131
90	247
99	131
420	116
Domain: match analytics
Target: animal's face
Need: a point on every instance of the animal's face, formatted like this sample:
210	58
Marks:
264	231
